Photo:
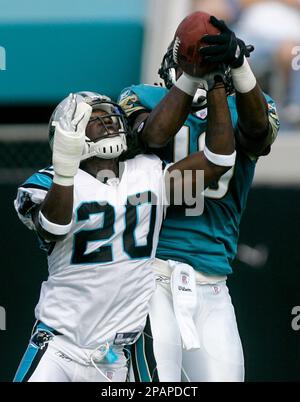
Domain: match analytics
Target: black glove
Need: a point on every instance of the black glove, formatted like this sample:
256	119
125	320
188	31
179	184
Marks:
226	47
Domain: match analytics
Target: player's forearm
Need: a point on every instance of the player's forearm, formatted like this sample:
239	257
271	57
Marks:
251	104
58	204
54	217
167	118
219	152
252	109
219	135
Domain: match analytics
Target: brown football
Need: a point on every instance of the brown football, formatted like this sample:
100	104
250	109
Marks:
188	41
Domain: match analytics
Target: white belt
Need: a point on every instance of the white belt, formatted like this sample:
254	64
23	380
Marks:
162	267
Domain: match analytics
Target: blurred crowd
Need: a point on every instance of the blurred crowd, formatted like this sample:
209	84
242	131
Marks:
273	27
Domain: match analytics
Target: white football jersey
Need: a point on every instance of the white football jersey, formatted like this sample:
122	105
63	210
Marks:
100	278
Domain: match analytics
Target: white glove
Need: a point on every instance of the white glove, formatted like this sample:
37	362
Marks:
69	140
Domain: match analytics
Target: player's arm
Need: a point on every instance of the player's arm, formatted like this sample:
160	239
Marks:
258	122
166	119
53	218
158	127
257	127
155	128
219	152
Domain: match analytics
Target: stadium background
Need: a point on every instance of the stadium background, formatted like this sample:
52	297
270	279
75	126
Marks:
48	50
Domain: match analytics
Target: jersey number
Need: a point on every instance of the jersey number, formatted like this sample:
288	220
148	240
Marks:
104	254
181	150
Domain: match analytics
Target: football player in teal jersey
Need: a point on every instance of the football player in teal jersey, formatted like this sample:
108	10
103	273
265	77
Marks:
196	338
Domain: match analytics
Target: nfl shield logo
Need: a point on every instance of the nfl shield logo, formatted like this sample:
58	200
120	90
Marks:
109	375
184	278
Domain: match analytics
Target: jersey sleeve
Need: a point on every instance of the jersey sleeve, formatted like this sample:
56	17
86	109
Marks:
273	120
32	193
130	102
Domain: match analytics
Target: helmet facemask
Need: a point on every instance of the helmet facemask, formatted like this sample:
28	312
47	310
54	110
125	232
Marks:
109	146
113	144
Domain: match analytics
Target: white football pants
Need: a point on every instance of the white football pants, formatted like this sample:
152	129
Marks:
49	364
220	356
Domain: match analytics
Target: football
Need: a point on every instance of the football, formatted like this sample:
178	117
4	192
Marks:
188	40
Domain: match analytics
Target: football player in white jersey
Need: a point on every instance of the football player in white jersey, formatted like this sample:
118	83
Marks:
99	221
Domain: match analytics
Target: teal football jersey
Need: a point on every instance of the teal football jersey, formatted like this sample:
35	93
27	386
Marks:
207	242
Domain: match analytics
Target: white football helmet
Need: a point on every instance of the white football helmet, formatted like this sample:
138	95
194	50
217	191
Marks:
110	146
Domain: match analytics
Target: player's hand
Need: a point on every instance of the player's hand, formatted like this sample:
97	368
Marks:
219	75
69	138
226	47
